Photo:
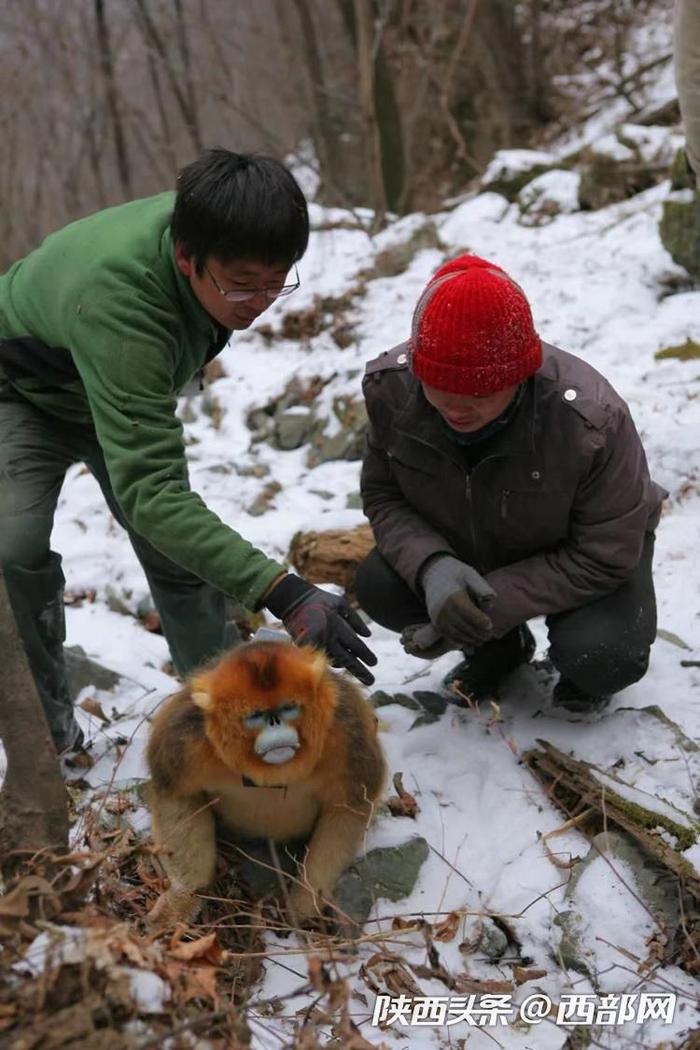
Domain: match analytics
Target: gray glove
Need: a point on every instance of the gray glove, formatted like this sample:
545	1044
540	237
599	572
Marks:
455	595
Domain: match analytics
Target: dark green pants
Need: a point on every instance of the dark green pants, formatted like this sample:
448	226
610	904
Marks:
35	451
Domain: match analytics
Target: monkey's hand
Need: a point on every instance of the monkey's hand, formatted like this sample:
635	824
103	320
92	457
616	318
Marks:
305	907
315	617
424	641
177	904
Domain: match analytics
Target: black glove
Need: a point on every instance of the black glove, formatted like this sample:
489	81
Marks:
315	617
454	593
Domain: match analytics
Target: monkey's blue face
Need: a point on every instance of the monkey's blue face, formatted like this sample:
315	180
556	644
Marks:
277	740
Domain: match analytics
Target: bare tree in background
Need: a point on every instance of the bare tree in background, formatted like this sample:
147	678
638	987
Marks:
112	96
402	101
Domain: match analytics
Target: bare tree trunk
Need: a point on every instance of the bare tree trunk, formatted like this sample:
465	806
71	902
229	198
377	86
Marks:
541	107
364	24
186	103
324	138
184	46
33	808
107	66
167	135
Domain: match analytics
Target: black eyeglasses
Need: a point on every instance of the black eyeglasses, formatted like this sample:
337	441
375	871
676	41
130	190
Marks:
241	295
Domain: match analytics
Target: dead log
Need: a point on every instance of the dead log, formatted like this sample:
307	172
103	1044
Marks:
331	556
33	804
574	787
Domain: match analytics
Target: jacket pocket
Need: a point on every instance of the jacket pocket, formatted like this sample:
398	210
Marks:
540	514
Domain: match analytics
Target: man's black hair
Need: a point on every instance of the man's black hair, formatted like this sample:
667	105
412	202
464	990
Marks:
240	206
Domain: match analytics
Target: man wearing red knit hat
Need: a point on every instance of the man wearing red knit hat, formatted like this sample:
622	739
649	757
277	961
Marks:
504	479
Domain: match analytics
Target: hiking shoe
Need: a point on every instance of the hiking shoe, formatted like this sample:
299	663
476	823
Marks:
479	675
568	697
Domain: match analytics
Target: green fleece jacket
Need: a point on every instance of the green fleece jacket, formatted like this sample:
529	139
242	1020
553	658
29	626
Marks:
99	327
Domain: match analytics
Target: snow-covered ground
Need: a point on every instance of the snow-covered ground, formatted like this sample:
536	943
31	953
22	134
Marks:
598	283
601	285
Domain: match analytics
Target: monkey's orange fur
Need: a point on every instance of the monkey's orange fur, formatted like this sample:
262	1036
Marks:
200	751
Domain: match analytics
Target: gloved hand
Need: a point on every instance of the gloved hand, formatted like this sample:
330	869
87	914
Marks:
425	641
455	596
315	617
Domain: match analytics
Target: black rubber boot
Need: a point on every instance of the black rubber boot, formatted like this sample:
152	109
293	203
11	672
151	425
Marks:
478	676
568	697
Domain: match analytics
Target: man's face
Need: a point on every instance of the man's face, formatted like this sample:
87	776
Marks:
237	275
466	413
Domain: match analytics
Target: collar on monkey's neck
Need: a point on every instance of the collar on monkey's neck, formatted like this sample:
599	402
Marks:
248	783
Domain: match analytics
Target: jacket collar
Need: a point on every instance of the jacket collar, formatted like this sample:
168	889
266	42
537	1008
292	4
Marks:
195	313
418	420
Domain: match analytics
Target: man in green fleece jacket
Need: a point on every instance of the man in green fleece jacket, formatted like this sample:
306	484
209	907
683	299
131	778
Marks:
100	329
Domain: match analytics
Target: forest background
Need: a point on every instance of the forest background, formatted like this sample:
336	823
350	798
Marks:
391	104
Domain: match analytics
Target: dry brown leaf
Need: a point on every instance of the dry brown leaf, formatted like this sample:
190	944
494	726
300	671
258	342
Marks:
94	707
15	906
203	949
151	621
521	974
397	923
405	804
189	981
79	760
447	929
388	973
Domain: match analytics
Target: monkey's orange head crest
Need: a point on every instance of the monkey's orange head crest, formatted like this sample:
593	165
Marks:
267	708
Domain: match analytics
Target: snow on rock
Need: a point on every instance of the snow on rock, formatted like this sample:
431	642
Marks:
509	163
550	194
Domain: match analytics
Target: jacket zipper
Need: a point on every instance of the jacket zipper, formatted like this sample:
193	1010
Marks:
472	530
504	502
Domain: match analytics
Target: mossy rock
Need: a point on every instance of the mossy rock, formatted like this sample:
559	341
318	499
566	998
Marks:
682	175
606	180
687	351
679	230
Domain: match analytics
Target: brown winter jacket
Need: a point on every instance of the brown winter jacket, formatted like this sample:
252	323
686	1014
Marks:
555	513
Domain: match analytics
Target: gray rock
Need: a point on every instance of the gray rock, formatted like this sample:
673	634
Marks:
492	942
145	607
353	501
264	500
348	443
81	671
294	427
679	230
571	953
615	168
429	704
389	872
116	601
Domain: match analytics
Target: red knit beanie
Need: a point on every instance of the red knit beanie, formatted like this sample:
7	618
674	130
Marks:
472	330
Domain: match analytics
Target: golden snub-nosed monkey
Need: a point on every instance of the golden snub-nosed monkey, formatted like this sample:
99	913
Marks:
267	715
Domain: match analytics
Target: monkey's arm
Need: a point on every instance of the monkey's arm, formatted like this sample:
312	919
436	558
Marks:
336	840
184	829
